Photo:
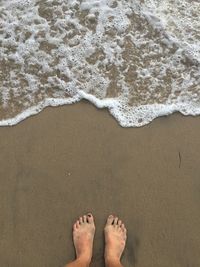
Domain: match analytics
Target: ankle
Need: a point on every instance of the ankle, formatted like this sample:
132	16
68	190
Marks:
85	261
112	261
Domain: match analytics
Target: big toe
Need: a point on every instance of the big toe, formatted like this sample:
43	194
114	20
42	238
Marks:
110	220
90	218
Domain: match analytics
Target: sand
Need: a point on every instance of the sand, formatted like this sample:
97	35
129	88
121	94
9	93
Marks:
70	160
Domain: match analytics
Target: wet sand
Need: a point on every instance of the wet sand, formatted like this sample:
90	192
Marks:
70	160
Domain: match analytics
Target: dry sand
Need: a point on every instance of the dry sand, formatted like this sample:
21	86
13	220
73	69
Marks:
69	160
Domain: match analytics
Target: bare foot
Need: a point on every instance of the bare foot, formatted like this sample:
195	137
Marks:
115	238
83	235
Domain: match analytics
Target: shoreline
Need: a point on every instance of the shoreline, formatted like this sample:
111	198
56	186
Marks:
108	104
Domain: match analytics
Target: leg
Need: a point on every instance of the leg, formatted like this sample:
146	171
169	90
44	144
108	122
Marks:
115	240
83	235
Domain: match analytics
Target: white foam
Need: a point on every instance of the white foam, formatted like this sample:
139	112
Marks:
36	109
139	60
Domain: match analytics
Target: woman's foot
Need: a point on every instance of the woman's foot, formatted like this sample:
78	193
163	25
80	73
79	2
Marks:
83	235
115	239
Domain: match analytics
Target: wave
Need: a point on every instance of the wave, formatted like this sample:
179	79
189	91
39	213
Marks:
139	59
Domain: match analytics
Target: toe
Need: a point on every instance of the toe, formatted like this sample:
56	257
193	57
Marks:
115	221
81	220
90	218
119	223
77	224
84	218
123	228
110	220
74	226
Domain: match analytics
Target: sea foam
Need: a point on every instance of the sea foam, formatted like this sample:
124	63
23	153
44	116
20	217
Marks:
139	59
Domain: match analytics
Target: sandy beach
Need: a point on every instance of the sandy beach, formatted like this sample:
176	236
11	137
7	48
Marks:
70	160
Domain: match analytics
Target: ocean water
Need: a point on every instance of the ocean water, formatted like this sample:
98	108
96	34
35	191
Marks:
138	58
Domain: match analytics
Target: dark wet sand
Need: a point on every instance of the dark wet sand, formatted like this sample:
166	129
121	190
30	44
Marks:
70	160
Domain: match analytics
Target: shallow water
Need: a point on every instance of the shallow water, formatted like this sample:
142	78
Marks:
140	59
